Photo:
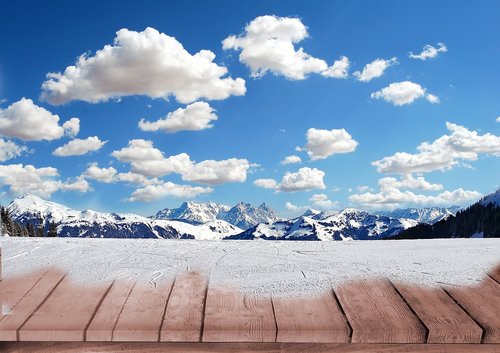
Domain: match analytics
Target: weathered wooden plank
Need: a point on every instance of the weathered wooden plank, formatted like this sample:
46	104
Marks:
13	289
310	319
104	321
377	314
142	314
495	273
170	347
185	310
482	303
65	314
18	315
445	320
231	316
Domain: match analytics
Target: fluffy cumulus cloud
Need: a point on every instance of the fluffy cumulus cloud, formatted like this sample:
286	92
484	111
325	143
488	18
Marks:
339	69
218	172
146	63
79	147
429	52
266	183
407	182
291	160
498	120
149	161
268	45
26	121
151	193
395	198
9	150
104	175
22	179
444	153
401	93
196	116
374	69
322	144
321	201
302	180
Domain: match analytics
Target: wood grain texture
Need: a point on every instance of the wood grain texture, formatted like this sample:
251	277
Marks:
65	314
377	314
18	315
482	303
13	289
495	273
183	320
310	319
142	315
445	320
169	347
231	316
104	321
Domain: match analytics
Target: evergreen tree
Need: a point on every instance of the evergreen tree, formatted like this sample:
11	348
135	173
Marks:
39	230
52	232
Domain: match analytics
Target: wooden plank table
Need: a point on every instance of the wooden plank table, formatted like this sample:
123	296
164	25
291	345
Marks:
188	314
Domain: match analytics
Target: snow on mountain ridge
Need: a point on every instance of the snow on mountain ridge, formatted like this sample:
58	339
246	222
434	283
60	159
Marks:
428	215
493	198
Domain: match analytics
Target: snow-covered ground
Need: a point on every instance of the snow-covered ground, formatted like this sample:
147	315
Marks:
257	267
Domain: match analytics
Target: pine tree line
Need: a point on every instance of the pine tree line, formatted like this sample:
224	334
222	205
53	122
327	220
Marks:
17	229
475	219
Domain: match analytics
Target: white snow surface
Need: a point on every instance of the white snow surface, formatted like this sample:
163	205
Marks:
281	268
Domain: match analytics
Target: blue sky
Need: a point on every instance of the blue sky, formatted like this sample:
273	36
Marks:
357	133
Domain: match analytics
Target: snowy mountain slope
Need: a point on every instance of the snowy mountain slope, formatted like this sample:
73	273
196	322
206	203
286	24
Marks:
428	215
88	223
493	198
194	212
243	215
348	224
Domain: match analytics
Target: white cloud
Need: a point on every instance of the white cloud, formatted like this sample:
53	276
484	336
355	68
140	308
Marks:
363	188
155	192
138	150
22	179
444	153
150	162
78	147
302	180
268	44
212	172
498	120
135	178
321	201
142	63
401	93
266	183
374	69
294	208
339	69
104	175
406	182
71	127
394	198
429	52
80	185
9	150
432	98
27	121
196	116
291	160
322	144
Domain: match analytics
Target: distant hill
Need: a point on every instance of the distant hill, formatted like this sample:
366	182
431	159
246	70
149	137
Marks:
481	220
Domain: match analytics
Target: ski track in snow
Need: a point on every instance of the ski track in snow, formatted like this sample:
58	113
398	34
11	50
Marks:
257	267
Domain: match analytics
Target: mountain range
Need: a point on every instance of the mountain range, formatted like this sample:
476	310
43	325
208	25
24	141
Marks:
212	221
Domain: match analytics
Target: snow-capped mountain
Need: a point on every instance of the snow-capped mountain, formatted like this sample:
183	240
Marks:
194	212
428	215
243	215
348	224
493	198
88	223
